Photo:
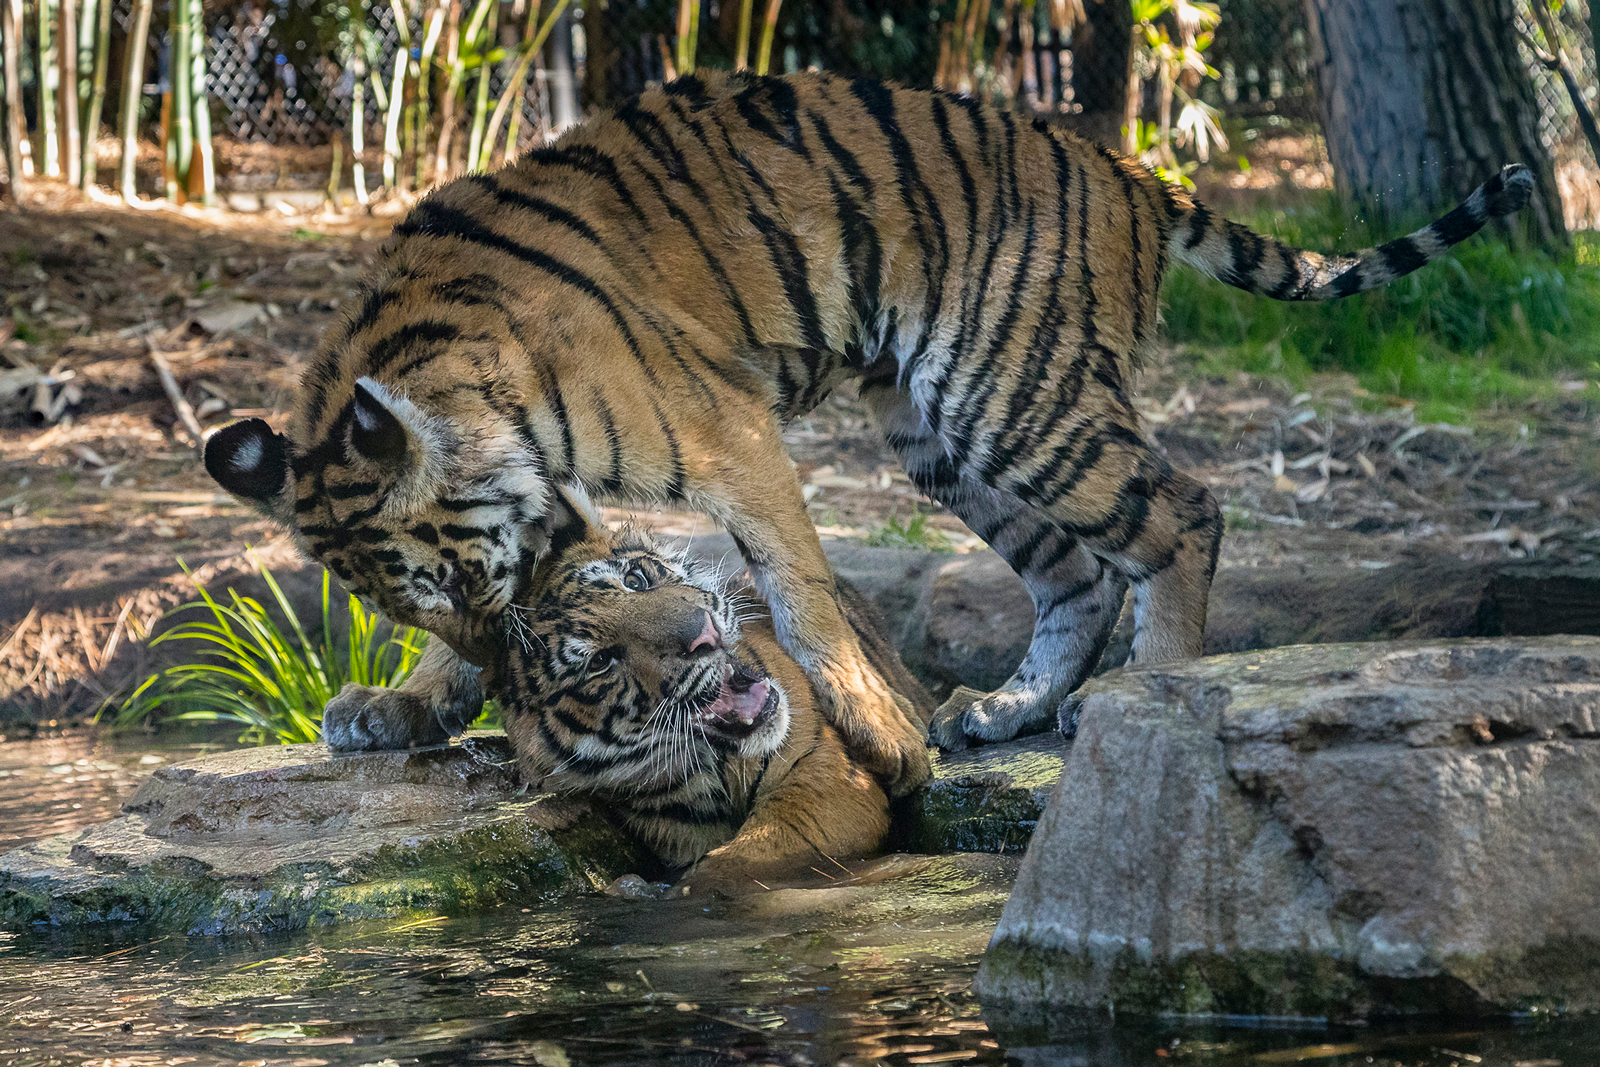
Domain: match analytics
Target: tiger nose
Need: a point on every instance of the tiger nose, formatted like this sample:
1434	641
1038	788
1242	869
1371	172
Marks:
699	634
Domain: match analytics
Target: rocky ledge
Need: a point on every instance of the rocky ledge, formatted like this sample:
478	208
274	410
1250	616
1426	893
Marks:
1336	831
291	836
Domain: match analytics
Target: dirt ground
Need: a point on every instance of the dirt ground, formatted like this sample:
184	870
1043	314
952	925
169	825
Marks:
101	489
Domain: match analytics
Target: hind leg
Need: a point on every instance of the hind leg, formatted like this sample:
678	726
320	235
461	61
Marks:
1076	596
1156	526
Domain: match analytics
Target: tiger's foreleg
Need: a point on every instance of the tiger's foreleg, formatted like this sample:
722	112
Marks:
758	502
1076	596
442	695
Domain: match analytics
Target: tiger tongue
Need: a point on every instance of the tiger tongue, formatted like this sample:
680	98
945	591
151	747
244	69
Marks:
740	700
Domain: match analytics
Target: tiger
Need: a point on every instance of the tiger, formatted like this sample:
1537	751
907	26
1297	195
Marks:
630	676
642	305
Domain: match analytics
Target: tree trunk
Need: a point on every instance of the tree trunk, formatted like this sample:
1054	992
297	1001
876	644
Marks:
1100	49
11	33
1422	100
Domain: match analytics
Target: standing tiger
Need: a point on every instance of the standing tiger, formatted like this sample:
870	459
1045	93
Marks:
642	305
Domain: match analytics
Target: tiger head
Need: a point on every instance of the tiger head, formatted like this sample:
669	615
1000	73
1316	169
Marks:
623	670
437	521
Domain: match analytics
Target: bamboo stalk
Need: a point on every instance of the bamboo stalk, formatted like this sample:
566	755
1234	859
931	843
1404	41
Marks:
206	179
685	42
391	118
336	172
769	29
447	106
47	155
430	40
1026	24
528	52
513	91
97	88
132	96
742	49
11	18
977	41
180	145
1002	52
358	121
480	102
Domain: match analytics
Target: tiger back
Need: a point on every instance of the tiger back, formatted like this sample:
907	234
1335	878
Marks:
631	677
640	306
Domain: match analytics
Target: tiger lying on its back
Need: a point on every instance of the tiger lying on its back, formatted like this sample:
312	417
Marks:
627	675
642	305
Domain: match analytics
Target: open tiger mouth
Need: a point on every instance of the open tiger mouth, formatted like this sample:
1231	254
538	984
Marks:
738	707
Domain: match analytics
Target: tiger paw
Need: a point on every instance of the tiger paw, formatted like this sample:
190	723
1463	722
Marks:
365	718
892	746
973	717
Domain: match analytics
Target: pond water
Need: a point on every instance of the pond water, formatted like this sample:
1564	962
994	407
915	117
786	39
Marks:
794	977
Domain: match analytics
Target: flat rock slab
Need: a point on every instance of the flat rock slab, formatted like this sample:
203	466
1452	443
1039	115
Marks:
1338	831
289	836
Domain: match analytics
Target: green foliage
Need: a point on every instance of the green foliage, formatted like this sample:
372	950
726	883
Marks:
269	678
913	534
1484	323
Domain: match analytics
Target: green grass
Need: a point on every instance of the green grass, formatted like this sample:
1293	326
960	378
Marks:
1485	324
267	676
915	533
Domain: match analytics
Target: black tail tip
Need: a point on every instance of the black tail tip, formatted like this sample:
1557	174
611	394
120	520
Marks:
1509	191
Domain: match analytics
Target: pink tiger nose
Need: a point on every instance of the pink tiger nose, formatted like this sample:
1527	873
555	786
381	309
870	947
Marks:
705	637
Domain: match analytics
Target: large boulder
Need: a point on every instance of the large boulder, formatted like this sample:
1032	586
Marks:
1341	830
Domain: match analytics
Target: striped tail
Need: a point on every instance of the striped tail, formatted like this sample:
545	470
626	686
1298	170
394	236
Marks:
1245	259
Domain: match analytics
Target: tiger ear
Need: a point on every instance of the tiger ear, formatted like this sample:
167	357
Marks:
376	432
569	517
249	460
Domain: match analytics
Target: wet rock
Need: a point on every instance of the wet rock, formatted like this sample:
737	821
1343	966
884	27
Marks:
984	799
1341	830
289	836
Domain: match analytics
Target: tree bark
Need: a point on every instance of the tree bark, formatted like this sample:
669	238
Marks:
1422	100
11	32
1100	49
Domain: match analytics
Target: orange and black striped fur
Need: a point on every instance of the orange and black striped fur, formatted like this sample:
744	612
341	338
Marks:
630	676
642	305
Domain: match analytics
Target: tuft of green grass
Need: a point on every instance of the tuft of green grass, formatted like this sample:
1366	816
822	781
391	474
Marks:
915	533
1484	323
267	676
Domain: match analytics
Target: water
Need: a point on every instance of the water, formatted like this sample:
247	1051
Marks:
789	978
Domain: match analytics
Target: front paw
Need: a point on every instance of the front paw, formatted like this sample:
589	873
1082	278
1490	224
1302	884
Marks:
972	717
365	718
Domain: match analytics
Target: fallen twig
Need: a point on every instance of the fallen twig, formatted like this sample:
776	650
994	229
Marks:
174	394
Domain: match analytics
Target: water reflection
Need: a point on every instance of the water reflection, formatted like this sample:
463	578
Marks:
874	972
70	780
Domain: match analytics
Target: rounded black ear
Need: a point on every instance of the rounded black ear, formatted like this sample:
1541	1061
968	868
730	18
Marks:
249	460
374	430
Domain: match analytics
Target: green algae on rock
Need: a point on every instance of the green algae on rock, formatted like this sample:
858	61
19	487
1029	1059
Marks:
287	836
293	836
